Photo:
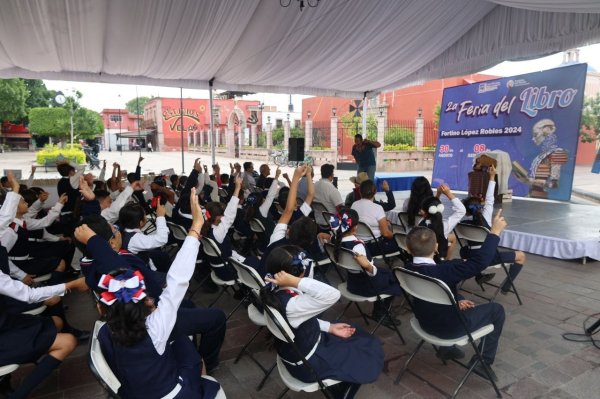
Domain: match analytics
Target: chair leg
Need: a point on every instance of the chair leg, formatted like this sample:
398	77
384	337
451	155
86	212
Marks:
463	380
240	354
343	311
397	381
267	374
236	307
282	394
364	316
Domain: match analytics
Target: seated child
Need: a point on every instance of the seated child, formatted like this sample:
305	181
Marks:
137	340
338	351
481	215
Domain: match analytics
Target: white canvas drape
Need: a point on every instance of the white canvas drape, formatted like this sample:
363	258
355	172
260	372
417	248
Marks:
341	48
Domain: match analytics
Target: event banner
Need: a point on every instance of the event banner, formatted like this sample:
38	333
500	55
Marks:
533	119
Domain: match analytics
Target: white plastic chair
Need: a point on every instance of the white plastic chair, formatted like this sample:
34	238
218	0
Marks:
36	311
252	280
346	261
436	291
470	236
282	331
99	366
318	209
365	230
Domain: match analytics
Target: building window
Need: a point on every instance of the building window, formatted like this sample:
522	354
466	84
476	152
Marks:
278	123
297	123
115	118
216	115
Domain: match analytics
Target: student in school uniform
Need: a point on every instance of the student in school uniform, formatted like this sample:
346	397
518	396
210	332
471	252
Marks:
137	340
432	211
26	338
481	215
334	350
373	281
217	225
441	320
419	191
132	218
103	254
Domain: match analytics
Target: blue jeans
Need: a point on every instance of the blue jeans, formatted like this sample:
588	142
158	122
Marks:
369	170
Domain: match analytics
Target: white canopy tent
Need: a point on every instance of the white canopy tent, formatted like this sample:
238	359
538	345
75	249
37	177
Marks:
339	48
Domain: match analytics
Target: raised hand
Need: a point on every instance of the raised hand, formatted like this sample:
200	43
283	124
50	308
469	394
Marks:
12	182
492	172
83	233
385	186
85	190
277	173
198	165
238	182
197	217
43	196
498	224
64	198
137	186
341	330
160	209
140	159
284	279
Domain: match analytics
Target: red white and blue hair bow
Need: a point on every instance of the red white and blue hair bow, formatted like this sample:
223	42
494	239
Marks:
343	223
303	261
126	287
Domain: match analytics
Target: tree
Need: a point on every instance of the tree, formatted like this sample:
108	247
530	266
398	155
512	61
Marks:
87	123
353	125
132	105
13	94
53	122
590	119
39	95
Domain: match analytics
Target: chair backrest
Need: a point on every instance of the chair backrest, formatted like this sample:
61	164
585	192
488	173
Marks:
364	230
35	311
345	258
278	325
470	232
400	239
178	232
222	193
247	275
210	248
424	287
257	226
318	209
403	217
327	216
99	366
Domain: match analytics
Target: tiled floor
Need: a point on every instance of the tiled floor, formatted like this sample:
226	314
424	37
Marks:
534	361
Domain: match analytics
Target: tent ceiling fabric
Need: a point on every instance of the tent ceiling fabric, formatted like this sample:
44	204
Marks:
340	48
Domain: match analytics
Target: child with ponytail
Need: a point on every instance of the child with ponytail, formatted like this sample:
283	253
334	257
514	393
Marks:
338	351
137	339
481	215
432	210
374	281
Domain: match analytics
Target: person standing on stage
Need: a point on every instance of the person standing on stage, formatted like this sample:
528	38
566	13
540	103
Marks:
363	153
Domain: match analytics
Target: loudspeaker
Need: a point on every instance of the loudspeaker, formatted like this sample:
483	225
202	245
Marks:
296	149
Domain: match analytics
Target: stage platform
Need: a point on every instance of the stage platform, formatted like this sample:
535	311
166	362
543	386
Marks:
554	229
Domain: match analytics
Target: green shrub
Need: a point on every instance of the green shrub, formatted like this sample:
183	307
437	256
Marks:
50	152
399	135
398	147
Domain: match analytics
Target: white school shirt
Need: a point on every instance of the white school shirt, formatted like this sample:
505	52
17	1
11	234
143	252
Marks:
141	242
8	211
220	230
36	224
488	208
314	297
281	228
458	212
22	292
359	248
111	214
160	323
271	194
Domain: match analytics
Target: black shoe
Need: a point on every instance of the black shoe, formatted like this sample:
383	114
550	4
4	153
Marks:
71	274
450	352
485	278
480	370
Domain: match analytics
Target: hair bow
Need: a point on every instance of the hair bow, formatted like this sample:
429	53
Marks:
302	261
126	287
433	209
207	214
252	199
269	285
343	223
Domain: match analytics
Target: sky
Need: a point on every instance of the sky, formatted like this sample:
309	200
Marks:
97	96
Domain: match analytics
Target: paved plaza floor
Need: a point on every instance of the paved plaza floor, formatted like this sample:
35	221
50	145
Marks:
533	361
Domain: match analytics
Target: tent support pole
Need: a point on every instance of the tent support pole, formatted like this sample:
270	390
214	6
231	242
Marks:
364	116
181	123
212	122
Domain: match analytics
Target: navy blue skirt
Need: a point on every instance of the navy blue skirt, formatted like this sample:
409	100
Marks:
25	338
383	282
357	360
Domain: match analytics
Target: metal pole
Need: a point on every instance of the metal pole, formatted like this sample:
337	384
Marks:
71	123
364	119
212	122
120	132
181	123
137	107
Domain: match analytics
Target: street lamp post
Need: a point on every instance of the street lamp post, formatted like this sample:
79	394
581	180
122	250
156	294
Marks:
120	133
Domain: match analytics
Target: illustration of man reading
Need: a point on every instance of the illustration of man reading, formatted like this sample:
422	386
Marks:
544	172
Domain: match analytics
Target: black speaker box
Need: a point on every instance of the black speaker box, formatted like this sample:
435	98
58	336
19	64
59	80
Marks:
296	149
